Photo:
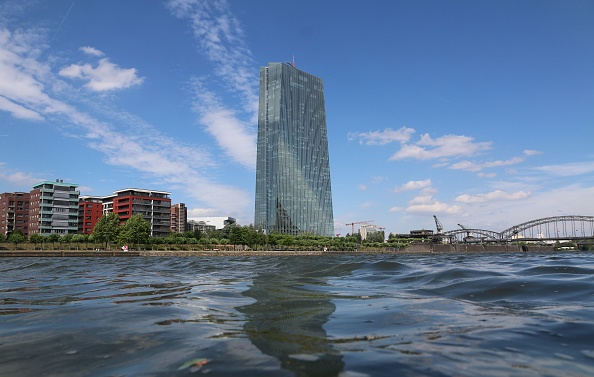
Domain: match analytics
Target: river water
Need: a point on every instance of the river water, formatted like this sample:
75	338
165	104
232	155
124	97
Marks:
516	314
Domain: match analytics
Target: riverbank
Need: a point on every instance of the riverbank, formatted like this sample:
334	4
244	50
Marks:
424	248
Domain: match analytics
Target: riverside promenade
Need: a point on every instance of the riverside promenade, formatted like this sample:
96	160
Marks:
423	248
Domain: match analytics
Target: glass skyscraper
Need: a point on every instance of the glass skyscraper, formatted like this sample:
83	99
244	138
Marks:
293	192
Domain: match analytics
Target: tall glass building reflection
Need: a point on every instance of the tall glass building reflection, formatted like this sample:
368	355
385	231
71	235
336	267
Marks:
293	192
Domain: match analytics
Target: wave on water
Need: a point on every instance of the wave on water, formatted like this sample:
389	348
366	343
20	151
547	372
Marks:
520	314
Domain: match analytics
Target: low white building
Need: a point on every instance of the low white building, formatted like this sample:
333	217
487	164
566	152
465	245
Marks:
217	222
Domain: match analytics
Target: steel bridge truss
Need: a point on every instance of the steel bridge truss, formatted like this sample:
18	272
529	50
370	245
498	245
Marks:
548	228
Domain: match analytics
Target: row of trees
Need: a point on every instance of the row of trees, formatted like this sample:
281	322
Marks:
135	232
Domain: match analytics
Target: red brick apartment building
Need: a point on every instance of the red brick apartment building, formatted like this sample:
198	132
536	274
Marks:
14	212
55	208
179	218
90	210
154	206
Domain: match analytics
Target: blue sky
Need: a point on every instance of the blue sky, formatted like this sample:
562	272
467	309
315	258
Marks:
478	112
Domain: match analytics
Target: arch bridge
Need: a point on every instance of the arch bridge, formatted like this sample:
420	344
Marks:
557	228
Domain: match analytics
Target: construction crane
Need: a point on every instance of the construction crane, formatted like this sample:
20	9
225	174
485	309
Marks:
438	225
358	222
466	229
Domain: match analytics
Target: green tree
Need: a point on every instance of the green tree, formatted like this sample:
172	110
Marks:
237	235
53	238
66	240
375	237
136	230
35	239
254	237
107	229
80	238
16	237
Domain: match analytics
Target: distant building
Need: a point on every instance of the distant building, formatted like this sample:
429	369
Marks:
366	229
202	226
154	206
179	218
293	192
14	212
90	210
217	222
53	208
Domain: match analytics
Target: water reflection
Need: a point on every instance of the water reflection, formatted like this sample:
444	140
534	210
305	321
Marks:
287	321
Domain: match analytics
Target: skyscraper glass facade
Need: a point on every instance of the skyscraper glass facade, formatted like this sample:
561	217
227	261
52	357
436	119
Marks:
293	192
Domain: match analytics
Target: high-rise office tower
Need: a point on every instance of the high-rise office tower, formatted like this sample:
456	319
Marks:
293	192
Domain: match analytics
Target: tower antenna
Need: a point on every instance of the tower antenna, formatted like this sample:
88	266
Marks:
294	65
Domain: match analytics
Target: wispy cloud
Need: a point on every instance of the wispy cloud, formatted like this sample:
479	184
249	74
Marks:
492	196
569	169
17	178
435	207
413	185
478	166
18	111
221	40
447	146
26	80
231	133
384	137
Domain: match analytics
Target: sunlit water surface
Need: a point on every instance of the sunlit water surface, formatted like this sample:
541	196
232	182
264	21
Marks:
519	314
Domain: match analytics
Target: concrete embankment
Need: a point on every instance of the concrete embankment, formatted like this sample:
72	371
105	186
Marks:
422	248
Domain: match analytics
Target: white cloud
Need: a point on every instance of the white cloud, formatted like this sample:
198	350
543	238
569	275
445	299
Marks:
382	137
447	146
221	39
23	80
474	166
424	202
18	111
496	195
435	207
414	185
106	76
487	175
531	152
362	187
21	75
395	209
195	213
569	169
18	179
91	51
232	134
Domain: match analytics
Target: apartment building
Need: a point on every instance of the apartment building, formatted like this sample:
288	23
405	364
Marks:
14	212
53	208
90	210
154	206
179	218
